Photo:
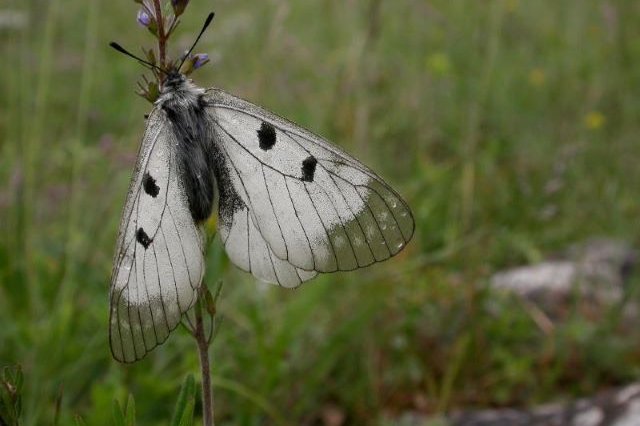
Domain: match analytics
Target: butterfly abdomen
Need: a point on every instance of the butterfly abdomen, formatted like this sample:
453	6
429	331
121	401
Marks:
194	140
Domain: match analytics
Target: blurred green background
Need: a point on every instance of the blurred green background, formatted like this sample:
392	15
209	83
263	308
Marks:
511	128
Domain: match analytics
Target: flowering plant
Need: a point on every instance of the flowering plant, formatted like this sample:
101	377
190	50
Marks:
161	21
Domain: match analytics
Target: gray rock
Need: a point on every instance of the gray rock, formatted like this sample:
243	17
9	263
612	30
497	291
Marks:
13	19
620	407
597	271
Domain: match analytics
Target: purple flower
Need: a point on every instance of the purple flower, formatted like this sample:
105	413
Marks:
143	18
199	60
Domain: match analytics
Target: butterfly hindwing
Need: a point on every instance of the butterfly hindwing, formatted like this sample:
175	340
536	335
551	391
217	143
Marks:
307	203
159	259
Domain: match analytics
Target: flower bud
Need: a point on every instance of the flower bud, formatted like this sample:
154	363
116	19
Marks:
199	60
194	62
146	19
143	18
179	6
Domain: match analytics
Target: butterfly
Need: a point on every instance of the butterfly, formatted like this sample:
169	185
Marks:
290	206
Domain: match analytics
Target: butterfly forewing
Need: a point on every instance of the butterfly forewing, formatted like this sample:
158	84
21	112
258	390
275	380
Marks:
305	202
159	259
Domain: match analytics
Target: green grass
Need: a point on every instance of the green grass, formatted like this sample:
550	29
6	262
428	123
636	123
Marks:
473	110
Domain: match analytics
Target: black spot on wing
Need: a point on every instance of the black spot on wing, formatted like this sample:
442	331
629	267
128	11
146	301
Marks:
309	168
149	185
143	238
266	136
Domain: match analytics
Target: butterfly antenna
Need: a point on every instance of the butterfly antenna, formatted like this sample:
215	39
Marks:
204	28
126	52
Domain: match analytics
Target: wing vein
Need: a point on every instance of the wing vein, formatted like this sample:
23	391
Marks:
264	178
164	310
304	231
184	255
135	266
144	276
273	267
313	203
173	272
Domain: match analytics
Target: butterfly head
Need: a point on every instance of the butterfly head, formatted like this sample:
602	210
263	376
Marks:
177	87
174	79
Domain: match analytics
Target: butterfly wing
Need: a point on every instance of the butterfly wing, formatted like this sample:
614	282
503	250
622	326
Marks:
159	260
295	205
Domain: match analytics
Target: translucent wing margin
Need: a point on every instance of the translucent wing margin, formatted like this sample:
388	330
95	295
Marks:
311	205
159	260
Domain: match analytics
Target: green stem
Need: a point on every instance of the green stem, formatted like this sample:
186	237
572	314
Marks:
203	351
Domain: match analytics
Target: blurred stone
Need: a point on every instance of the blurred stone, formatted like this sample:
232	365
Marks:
13	19
620	407
597	271
411	418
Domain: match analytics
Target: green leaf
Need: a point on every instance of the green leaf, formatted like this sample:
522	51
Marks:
209	302
185	397
151	56
118	414
187	415
131	411
153	28
212	300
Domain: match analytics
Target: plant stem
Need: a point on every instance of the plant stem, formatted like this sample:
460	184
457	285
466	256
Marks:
203	351
162	37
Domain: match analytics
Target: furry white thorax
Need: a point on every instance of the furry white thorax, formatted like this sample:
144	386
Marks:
180	90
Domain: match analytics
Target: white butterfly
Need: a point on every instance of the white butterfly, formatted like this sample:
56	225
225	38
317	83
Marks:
291	205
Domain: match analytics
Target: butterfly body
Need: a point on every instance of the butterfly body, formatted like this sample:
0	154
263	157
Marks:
183	104
290	205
